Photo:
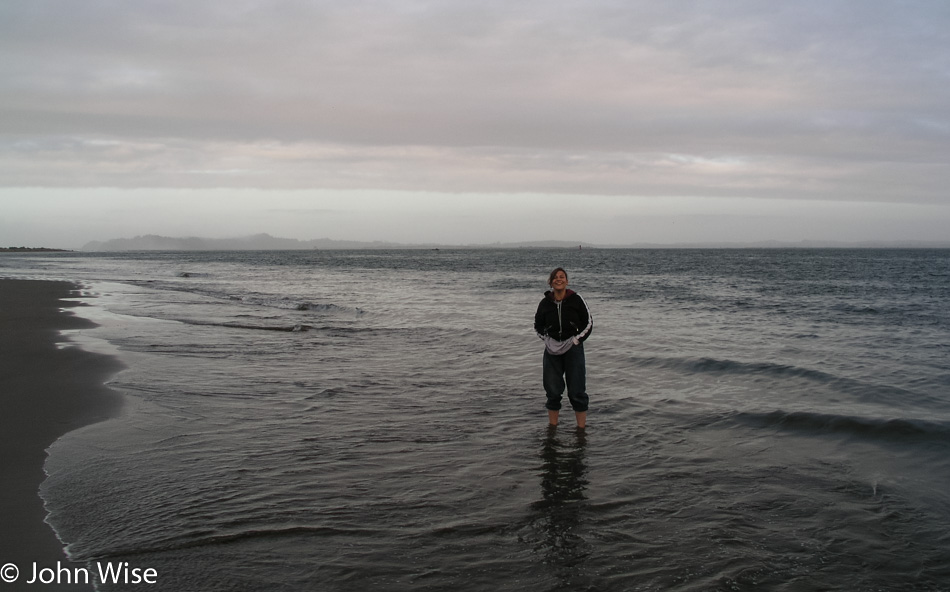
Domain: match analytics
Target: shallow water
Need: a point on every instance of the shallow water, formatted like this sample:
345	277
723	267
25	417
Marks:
770	420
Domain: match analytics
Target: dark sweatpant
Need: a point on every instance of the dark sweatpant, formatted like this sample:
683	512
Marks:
570	365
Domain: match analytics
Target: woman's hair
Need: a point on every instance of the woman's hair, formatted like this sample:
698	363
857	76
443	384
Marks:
554	273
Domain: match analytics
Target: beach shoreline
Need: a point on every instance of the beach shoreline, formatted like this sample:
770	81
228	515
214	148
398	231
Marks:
46	391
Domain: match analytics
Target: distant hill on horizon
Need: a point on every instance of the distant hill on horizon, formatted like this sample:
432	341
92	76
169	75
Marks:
31	250
266	242
257	242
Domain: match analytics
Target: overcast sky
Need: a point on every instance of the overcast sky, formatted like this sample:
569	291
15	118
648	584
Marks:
606	121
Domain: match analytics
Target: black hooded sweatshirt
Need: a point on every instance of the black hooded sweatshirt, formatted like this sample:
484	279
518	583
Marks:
565	319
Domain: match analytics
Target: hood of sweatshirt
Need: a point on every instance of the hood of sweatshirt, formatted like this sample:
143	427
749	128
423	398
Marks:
550	294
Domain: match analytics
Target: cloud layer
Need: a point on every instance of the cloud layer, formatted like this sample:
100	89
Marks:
595	96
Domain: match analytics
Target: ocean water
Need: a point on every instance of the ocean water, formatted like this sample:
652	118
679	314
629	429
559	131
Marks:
373	420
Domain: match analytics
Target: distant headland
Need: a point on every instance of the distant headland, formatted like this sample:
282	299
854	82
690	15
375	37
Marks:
31	250
265	242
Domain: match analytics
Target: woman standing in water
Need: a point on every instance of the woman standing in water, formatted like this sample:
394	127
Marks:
563	321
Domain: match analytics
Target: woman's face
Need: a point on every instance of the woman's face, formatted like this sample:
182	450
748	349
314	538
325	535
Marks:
560	281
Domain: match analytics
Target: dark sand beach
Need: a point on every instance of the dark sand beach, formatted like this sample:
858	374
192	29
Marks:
45	391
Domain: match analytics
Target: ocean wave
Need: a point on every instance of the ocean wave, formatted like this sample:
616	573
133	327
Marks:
862	389
276	301
296	328
895	429
288	303
724	366
856	308
327	392
212	538
510	283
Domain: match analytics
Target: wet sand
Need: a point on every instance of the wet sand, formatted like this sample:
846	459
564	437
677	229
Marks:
45	391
